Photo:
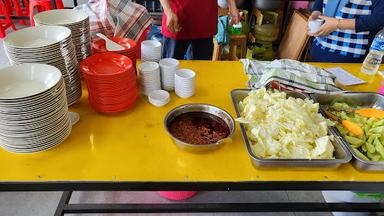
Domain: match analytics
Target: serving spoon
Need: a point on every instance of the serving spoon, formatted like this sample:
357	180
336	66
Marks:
110	44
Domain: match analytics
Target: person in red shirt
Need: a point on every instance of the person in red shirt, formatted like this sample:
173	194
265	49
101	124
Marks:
190	25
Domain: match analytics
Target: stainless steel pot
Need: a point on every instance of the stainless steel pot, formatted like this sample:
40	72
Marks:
270	5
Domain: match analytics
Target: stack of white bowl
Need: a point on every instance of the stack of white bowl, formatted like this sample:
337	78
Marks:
185	83
33	108
50	45
150	51
168	67
77	21
149	76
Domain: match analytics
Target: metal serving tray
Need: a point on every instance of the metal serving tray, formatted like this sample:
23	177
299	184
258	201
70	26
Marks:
342	155
361	99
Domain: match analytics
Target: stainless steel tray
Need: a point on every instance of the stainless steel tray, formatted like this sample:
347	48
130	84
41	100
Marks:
362	99
342	155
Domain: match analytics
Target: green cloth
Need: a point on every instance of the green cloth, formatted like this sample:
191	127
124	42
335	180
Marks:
222	36
290	74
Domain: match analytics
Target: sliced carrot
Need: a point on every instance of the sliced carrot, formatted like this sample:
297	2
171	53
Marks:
352	127
370	112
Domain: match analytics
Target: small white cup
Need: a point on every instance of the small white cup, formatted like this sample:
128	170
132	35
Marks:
168	67
314	25
185	83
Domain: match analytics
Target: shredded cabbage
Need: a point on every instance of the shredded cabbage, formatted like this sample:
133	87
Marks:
281	127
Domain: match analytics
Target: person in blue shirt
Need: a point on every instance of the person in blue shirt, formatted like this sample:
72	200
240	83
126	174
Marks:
349	28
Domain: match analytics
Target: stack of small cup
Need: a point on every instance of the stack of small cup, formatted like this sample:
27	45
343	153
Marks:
168	67
150	51
185	83
149	76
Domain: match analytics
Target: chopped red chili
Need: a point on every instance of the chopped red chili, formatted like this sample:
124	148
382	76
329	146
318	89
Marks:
199	128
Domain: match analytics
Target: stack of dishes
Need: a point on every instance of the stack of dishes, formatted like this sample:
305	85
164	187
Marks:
77	21
130	48
33	108
111	82
168	67
150	51
149	73
47	45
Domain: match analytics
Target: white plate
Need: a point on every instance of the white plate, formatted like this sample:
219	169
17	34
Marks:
61	17
27	80
38	36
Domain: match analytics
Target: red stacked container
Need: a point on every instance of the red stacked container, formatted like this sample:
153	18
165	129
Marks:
111	82
130	47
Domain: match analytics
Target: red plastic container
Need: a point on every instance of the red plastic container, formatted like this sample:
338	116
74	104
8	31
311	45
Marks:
177	195
111	82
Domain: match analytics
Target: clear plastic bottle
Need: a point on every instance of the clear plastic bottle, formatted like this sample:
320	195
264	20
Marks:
373	60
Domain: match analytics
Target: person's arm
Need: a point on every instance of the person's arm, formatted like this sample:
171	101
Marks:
233	12
374	21
370	22
332	24
172	19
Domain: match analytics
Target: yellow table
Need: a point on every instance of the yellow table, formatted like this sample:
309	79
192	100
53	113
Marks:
134	147
131	151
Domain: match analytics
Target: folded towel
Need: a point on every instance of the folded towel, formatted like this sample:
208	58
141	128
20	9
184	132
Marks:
119	18
222	36
291	74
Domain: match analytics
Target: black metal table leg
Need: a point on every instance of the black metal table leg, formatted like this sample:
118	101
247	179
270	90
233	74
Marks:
221	207
64	200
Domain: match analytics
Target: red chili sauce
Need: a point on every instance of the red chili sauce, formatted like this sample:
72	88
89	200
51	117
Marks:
199	128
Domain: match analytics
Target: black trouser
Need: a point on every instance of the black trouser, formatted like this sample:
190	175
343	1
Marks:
197	49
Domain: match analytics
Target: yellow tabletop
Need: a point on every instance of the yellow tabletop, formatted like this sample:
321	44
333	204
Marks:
133	146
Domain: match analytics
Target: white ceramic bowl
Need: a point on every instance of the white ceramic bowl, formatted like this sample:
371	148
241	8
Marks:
159	98
26	80
38	36
60	17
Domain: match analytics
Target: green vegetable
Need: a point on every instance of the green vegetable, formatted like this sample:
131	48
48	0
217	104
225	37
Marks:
371	144
380	149
361	155
356	142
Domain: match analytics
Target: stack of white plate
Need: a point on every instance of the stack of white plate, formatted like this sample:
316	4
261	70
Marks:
33	108
47	45
150	51
149	77
77	21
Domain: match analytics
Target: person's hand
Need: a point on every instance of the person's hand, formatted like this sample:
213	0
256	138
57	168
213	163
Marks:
314	15
235	16
173	22
330	25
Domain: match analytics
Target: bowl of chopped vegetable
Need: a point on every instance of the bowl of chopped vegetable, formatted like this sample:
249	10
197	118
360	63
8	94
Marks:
365	110
286	129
